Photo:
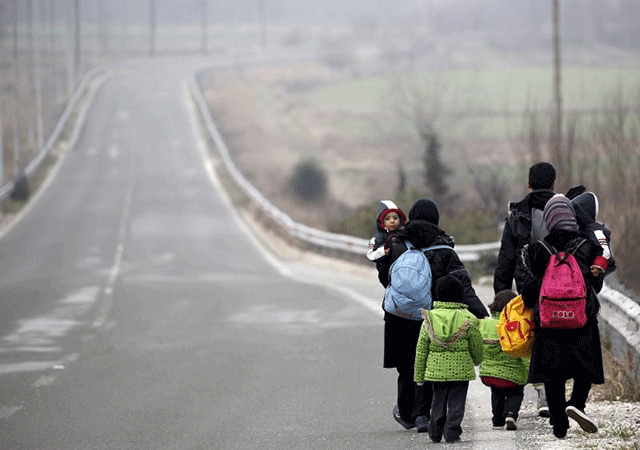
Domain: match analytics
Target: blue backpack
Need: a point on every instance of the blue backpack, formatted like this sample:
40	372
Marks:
409	288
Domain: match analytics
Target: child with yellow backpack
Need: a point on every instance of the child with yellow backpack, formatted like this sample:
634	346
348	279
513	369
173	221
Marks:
506	375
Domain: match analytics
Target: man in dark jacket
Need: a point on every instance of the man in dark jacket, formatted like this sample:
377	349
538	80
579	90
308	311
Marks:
401	334
524	225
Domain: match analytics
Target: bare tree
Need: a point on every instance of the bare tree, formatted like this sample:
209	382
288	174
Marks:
436	172
417	105
402	180
492	190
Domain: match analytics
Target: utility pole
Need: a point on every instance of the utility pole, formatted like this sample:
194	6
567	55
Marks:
557	87
152	27
31	71
124	16
204	26
38	54
16	95
263	24
77	51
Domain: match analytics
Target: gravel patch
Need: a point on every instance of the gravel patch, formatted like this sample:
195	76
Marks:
618	428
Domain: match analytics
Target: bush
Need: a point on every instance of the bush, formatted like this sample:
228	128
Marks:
360	223
470	226
309	181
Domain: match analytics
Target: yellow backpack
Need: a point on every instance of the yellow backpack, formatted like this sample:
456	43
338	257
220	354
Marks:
515	329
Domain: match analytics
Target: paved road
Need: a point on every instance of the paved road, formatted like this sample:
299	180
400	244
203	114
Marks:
140	312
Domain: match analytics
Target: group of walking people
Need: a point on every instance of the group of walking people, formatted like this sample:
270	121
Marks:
435	355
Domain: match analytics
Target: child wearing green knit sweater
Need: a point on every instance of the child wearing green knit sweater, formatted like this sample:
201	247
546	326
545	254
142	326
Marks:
449	347
504	374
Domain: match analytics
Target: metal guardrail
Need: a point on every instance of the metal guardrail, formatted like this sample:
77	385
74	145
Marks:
622	330
55	134
335	241
620	314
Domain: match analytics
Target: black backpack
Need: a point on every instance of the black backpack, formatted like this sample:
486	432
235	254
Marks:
529	227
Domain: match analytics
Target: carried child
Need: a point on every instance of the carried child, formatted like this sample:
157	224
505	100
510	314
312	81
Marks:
389	220
586	208
504	374
449	347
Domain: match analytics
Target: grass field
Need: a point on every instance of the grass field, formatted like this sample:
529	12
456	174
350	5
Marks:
477	103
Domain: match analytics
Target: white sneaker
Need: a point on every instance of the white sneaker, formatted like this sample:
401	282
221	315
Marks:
543	411
543	407
582	419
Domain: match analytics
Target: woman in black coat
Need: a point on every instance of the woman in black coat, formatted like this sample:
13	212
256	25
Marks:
563	354
400	334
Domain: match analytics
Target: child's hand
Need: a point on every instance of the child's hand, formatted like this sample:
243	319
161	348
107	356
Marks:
596	270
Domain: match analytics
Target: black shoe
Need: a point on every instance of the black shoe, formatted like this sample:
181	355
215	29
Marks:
452	440
404	423
511	422
559	431
422	424
435	439
585	422
543	406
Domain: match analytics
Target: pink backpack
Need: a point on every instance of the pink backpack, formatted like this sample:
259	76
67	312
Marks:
563	295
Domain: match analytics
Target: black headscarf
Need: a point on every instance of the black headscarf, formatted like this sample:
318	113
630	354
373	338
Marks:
449	289
425	209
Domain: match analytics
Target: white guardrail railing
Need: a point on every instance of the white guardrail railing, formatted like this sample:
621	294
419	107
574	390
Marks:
621	314
334	241
57	130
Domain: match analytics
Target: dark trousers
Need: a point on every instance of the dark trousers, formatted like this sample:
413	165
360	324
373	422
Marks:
447	409
504	401
557	400
413	400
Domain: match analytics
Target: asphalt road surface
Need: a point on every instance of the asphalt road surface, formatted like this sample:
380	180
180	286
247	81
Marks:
139	311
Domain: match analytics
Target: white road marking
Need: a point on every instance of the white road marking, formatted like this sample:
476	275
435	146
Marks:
107	300
8	411
123	115
44	380
27	366
265	314
25	349
42	331
202	278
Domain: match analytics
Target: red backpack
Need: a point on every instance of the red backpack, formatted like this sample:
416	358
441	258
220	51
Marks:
563	295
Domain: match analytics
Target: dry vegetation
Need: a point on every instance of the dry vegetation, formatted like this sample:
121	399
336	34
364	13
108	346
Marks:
270	126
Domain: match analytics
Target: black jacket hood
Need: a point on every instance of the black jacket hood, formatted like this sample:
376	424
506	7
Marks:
538	199
586	207
422	233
